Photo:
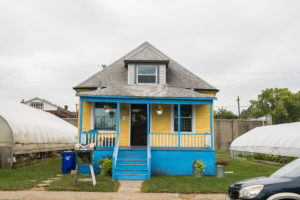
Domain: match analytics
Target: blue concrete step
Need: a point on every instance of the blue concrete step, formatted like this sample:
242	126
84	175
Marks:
132	171
131	166
131	161
131	176
123	152
126	157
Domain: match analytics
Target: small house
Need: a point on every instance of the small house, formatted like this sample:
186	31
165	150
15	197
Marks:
152	115
47	106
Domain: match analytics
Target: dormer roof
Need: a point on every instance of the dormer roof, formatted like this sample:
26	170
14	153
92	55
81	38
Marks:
115	74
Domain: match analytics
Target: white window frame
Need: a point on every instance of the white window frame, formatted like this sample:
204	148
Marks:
193	120
93	121
146	65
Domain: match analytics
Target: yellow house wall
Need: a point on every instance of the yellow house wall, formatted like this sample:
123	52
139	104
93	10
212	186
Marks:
124	124
161	123
202	114
86	116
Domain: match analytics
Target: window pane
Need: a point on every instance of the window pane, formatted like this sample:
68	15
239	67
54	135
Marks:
147	70
185	124
105	120
146	79
186	118
185	110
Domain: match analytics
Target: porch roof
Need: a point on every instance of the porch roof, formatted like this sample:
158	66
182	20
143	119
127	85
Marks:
146	91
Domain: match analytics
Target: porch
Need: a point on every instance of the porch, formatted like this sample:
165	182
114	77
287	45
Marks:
149	149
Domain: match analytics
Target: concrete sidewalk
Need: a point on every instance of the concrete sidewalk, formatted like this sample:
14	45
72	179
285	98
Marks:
45	195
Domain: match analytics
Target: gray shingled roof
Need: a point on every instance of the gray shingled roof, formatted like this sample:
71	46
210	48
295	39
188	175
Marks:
146	91
116	73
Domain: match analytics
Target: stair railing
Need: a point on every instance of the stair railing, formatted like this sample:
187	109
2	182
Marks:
149	155
115	156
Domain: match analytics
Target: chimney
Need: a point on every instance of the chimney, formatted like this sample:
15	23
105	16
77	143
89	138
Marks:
66	107
22	101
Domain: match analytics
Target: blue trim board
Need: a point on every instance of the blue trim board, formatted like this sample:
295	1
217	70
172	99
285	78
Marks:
150	101
147	98
179	128
80	122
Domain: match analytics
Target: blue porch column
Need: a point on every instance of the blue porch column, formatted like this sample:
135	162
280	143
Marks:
118	122
148	121
211	127
80	120
178	113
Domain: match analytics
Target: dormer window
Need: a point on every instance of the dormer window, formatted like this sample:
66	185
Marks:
146	74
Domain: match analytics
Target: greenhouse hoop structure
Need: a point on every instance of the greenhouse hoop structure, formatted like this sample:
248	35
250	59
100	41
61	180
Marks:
26	130
278	140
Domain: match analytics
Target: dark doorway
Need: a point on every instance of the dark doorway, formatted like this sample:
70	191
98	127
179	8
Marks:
138	125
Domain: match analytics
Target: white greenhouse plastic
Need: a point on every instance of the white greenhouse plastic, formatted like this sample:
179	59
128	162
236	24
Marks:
281	139
24	129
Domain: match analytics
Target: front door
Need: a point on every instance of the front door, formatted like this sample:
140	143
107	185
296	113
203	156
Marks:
138	125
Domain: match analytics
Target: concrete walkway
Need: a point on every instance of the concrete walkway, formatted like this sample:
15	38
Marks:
130	186
45	195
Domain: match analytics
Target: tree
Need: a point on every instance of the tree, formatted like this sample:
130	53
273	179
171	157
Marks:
282	104
222	113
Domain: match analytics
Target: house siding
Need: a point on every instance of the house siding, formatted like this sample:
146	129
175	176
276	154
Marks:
162	74
131	74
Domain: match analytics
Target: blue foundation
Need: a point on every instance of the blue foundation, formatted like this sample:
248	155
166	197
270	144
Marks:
166	162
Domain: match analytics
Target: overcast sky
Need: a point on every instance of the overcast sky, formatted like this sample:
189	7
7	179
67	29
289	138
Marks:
241	47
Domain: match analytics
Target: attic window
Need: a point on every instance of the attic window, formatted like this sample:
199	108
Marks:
146	74
37	105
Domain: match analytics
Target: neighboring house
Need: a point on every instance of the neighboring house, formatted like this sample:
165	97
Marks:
150	113
47	106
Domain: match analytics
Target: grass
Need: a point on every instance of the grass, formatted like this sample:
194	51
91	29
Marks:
104	184
242	169
28	176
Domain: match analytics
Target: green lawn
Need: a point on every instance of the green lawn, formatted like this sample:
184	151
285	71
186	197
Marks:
28	176
242	169
104	184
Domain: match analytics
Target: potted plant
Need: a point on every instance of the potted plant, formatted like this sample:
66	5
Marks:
198	168
220	168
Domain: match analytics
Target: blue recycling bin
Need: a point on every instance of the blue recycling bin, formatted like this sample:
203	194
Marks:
68	162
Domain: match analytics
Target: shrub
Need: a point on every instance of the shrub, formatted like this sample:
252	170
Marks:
107	167
200	166
272	158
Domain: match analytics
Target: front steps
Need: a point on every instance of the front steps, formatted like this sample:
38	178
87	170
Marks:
132	164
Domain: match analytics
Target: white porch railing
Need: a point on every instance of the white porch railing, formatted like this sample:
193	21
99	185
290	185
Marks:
186	140
99	139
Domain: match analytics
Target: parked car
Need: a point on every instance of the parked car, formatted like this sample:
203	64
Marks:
284	184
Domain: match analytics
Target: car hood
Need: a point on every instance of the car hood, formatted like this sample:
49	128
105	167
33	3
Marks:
265	180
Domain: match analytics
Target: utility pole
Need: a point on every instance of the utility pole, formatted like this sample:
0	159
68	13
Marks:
238	100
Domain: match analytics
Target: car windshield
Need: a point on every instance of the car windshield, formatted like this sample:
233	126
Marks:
290	170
